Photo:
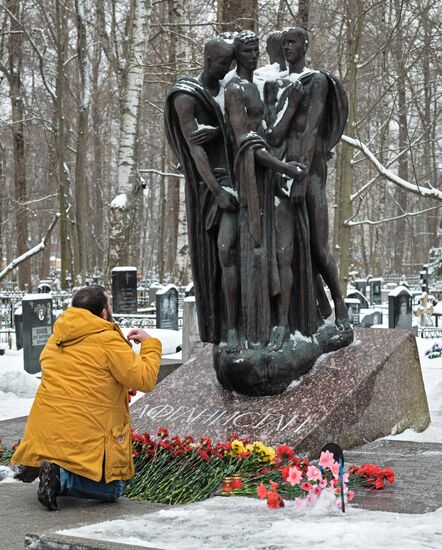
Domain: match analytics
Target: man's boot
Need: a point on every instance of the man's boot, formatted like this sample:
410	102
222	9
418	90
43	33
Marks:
49	487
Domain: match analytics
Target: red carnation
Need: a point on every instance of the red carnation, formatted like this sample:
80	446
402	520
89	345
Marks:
275	500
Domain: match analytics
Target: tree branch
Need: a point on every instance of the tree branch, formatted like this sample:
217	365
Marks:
349	223
32	252
430	192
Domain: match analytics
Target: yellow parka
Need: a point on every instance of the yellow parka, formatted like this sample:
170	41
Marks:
80	416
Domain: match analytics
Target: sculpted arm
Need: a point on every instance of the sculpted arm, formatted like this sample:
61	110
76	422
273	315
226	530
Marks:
185	108
237	114
314	116
280	129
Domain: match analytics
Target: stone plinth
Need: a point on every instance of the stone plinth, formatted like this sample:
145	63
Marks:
351	396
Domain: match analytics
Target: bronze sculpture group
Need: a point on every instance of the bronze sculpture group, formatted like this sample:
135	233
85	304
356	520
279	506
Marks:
254	146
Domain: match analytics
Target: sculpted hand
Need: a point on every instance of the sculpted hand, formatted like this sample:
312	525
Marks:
226	201
296	94
204	134
138	335
294	170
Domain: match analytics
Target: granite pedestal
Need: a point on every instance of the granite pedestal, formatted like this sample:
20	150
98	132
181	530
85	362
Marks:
360	393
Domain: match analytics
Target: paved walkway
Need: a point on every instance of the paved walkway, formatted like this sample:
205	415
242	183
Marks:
417	489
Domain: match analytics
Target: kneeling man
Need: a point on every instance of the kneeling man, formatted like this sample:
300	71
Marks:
78	432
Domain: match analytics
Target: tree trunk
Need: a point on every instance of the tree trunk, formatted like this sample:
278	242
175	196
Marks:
354	23
81	203
17	126
236	16
123	206
60	144
400	195
303	13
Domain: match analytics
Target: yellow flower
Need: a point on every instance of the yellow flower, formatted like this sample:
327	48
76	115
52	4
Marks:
237	447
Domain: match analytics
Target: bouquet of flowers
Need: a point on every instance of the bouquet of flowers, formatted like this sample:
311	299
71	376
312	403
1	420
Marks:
434	352
176	470
372	475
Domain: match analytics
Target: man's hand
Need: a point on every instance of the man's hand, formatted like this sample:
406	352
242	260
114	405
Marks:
204	134
138	335
226	201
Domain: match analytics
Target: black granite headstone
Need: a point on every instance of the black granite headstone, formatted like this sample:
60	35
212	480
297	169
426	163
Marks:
400	308
363	302
167	307
375	291
37	327
353	310
189	290
374	318
124	289
423	276
18	324
361	286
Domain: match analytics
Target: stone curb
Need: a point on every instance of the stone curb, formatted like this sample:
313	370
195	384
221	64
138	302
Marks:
65	542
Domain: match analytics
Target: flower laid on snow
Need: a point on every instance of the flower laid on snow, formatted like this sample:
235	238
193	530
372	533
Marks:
314	474
372	475
176	470
294	475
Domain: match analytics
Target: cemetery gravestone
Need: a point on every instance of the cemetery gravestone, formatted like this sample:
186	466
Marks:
400	308
376	291
353	309
37	327
155	287
18	324
191	337
189	290
167	307
423	275
361	286
124	289
363	302
374	318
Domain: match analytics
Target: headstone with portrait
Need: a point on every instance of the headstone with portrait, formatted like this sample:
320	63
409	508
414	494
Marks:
124	289
353	309
167	307
361	285
37	327
400	308
375	291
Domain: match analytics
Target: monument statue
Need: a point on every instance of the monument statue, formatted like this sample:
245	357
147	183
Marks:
253	149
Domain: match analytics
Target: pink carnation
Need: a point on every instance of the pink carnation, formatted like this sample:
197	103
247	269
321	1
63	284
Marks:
313	474
326	460
294	476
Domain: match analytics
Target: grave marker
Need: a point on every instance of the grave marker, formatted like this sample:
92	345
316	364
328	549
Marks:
37	327
124	289
400	308
167	307
353	310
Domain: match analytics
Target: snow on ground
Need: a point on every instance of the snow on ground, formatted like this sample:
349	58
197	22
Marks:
17	387
244	523
432	374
